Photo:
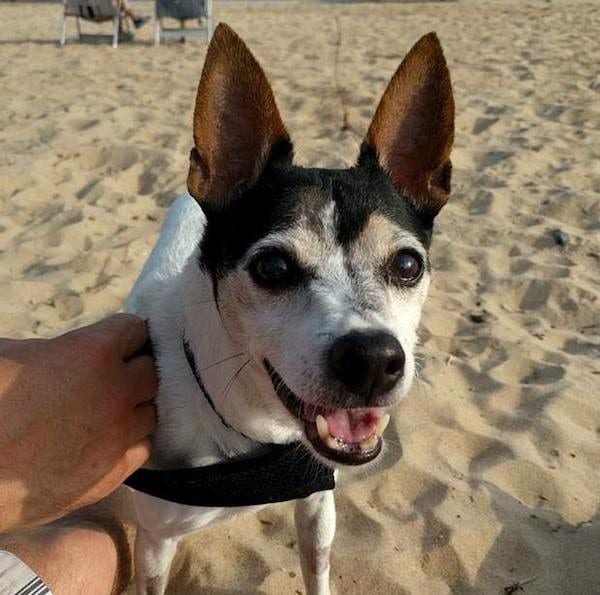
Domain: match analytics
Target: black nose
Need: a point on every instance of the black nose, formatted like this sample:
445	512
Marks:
367	363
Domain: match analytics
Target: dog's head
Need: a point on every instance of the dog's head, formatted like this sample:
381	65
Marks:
320	275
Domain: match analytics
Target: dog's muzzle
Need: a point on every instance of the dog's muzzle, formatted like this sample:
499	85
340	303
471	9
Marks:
346	436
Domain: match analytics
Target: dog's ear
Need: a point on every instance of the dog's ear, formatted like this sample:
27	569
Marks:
237	127
413	128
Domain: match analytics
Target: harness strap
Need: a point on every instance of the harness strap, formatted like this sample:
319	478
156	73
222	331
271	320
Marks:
286	472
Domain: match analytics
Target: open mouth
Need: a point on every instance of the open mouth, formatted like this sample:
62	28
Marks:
347	436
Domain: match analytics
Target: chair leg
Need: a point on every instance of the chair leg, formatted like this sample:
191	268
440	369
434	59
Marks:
209	19
125	24
157	32
209	27
63	31
116	26
78	27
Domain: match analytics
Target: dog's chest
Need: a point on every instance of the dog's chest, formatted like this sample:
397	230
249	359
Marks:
167	519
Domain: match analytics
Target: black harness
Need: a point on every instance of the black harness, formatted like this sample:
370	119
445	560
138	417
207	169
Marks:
284	472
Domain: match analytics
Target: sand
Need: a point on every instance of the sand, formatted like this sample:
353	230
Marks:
499	481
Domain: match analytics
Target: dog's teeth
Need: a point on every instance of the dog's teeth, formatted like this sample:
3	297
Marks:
384	420
322	427
332	443
369	443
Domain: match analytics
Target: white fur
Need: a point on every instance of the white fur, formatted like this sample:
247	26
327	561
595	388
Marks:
176	297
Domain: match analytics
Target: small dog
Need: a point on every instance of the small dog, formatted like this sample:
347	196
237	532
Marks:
294	292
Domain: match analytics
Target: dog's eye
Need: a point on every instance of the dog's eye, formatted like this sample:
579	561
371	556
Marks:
407	267
273	269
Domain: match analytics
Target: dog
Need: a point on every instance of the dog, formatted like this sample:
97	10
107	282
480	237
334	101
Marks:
283	301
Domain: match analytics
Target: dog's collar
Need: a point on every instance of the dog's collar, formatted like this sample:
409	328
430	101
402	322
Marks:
285	472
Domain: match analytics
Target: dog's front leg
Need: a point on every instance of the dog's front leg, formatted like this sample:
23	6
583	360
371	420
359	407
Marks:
153	557
315	524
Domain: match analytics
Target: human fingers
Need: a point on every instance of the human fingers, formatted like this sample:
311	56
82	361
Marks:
143	422
135	457
141	376
127	332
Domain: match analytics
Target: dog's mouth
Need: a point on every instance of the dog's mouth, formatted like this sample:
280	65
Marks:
347	436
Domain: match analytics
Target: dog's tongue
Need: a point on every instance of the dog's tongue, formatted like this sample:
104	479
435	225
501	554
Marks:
352	425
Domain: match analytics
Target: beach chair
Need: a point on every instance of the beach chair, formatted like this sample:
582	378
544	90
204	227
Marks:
183	10
95	11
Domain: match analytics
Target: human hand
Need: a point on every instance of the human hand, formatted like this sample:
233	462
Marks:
75	416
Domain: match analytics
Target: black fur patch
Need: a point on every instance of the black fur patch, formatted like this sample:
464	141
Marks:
284	193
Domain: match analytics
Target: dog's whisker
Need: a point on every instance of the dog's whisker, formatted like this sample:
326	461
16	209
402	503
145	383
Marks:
396	445
264	335
419	364
222	361
199	302
233	379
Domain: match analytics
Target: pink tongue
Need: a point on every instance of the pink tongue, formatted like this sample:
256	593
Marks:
352	425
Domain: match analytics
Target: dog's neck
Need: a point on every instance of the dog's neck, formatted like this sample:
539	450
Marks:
188	314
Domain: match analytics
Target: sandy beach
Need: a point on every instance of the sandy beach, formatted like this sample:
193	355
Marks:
498	485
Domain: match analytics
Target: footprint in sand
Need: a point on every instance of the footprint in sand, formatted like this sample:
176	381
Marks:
147	183
120	157
167	140
68	304
483	124
255	567
493	454
536	295
39	269
364	532
114	158
492	158
578	347
521	265
365	577
544	374
550	112
482	202
84	124
91	191
523	73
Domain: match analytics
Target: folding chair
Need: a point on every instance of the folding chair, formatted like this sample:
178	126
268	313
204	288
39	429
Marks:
183	10
95	11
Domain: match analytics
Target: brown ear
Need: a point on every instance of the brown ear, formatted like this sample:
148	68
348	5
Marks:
237	127
413	128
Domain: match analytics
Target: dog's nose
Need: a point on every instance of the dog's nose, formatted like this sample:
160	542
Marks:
367	363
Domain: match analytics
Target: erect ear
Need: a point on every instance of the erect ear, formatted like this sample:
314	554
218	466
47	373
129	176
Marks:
237	127
413	128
